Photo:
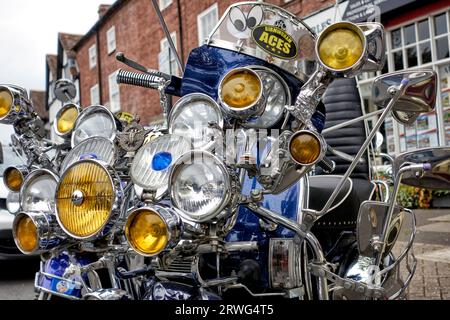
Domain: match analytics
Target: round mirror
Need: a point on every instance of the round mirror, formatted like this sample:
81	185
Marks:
65	90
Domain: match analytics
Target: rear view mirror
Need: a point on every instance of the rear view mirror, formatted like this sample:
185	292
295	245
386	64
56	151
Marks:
65	90
438	177
419	95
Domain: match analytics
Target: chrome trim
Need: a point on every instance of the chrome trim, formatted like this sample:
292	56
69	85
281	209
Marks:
23	170
108	295
320	139
255	109
293	277
116	201
174	227
58	115
29	180
21	105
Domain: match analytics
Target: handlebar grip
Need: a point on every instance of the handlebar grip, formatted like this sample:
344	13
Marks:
139	79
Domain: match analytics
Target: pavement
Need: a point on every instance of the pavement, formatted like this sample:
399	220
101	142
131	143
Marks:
431	280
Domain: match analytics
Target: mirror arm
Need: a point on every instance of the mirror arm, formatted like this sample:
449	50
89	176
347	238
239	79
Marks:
350	122
396	93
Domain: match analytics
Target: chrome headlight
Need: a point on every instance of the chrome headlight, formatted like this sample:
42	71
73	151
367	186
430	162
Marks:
278	96
65	119
151	230
13	102
95	121
88	200
241	93
201	187
13	202
36	232
97	148
38	191
150	167
197	117
13	177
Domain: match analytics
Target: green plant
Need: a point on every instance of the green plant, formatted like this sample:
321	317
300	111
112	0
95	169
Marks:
441	193
408	197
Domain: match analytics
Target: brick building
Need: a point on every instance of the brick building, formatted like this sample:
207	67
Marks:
133	28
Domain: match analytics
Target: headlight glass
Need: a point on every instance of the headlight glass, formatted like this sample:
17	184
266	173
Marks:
25	234
38	192
278	96
84	199
150	167
198	118
13	202
6	101
96	148
147	232
13	178
66	118
241	88
305	148
95	121
341	46
199	186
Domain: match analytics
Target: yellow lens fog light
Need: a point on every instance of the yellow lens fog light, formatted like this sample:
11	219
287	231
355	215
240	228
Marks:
13	178
306	147
241	94
25	234
66	118
149	231
6	102
87	199
341	46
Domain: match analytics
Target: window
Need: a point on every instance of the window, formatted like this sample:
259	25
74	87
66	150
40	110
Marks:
111	39
114	93
95	95
164	4
206	21
93	56
167	59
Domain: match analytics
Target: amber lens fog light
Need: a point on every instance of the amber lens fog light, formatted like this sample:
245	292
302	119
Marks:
147	232
25	233
13	179
66	119
6	102
305	148
341	46
241	89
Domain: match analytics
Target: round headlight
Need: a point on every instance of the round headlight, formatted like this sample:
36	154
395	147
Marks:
96	148
241	93
6	102
200	186
198	118
150	231
13	202
306	147
13	177
25	233
38	191
150	167
87	198
65	119
278	96
95	121
341	46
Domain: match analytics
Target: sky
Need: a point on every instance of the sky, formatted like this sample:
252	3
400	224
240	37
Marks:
29	30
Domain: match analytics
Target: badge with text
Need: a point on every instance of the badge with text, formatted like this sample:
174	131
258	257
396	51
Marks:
275	41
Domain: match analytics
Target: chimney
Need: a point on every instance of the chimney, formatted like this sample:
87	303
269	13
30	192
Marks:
102	9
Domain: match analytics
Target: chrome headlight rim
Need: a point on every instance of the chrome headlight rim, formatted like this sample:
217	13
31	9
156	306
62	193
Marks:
229	199
114	213
254	109
192	98
68	161
30	179
58	115
262	69
89	111
160	191
321	140
172	221
18	96
49	235
23	170
358	64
